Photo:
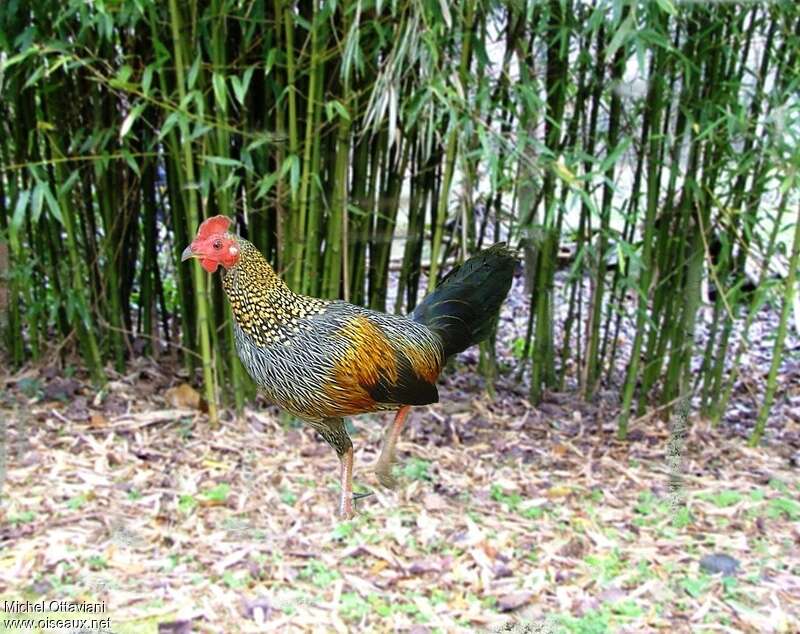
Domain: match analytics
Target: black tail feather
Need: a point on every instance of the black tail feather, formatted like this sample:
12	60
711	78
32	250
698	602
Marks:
463	308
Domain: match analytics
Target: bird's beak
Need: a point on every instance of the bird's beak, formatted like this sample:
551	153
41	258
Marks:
188	254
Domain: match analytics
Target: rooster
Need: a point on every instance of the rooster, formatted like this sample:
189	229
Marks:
324	360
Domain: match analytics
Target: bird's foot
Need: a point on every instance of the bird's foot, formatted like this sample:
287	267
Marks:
383	470
347	514
346	511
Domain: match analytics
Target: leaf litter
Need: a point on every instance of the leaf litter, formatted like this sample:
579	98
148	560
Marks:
508	518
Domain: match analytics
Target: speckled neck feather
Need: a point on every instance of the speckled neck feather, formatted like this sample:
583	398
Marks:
264	307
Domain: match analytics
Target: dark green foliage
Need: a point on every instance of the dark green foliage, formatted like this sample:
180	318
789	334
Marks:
657	142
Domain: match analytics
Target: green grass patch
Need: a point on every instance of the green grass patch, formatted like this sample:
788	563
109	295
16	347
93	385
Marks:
186	503
352	607
779	507
722	499
697	586
605	567
218	493
77	502
25	517
417	469
319	574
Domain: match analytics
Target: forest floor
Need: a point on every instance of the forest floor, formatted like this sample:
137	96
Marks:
507	517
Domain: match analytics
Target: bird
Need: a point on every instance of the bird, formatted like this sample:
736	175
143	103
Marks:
325	360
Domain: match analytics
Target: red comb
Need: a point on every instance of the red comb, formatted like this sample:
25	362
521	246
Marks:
217	224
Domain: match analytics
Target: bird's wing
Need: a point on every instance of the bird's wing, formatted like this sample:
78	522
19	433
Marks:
374	366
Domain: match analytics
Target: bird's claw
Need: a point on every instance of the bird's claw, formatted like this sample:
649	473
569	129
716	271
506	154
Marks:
385	476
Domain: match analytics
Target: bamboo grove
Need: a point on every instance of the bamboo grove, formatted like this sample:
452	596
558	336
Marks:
656	142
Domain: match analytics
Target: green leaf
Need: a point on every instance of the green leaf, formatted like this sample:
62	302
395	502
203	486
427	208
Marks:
338	106
52	205
667	6
612	158
222	160
240	85
620	36
36	76
131	162
620	258
120	80
169	123
68	184
19	57
37	201
19	211
563	171
147	79
444	5
191	78
266	183
220	92
199	130
272	56
260	140
129	120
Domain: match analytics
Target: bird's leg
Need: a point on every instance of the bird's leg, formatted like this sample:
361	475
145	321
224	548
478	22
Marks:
383	468
346	480
335	434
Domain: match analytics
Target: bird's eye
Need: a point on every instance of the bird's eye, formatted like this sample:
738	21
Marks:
217	244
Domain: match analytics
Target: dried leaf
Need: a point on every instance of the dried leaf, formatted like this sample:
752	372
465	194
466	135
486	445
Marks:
513	601
184	396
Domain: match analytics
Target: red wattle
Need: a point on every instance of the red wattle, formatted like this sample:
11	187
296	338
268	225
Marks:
209	265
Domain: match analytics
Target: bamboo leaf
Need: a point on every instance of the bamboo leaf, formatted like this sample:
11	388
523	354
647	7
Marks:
200	129
147	79
68	184
444	5
130	161
393	132
129	120
194	71
668	7
336	105
230	182
169	123
272	56
34	77
240	85
258	142
52	204
612	158
36	202
16	59
220	92
266	183
222	160
120	80
19	210
620	36
788	183
563	172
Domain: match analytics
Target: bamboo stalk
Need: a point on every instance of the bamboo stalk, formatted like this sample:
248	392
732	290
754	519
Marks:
200	289
789	291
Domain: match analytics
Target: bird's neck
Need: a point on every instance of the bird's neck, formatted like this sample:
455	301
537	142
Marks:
264	307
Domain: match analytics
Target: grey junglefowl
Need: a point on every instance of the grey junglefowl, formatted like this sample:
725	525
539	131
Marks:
323	360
